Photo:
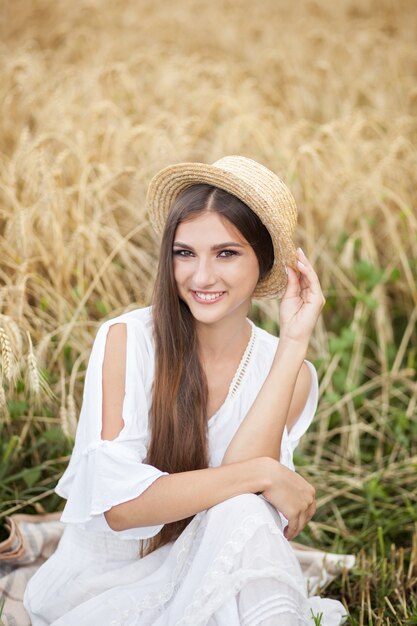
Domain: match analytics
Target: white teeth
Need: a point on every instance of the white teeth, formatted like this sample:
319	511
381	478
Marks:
209	296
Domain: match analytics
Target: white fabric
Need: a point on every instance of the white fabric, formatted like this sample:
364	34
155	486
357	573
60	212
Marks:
230	566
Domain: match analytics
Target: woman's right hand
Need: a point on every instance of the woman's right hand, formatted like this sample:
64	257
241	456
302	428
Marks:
291	495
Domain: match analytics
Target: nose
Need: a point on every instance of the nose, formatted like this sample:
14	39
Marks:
204	274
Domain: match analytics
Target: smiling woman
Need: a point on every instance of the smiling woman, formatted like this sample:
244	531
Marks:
190	417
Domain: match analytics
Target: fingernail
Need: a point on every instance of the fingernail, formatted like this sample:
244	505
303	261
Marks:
301	263
286	269
302	252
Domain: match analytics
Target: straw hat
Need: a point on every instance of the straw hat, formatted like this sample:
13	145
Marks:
254	184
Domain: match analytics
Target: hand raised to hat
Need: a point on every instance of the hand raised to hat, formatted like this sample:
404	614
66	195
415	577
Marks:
302	302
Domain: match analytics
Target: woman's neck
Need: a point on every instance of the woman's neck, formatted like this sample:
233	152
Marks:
223	340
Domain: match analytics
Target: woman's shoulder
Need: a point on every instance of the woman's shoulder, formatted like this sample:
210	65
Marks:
139	324
141	317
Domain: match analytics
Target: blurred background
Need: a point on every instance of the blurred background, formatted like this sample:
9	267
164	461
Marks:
95	97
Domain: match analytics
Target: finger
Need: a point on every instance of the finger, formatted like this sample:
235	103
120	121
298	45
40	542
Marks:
302	522
305	267
302	256
291	530
308	277
306	516
293	283
304	263
311	511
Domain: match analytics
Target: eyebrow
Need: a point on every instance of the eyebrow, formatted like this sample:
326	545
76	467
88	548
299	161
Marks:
220	246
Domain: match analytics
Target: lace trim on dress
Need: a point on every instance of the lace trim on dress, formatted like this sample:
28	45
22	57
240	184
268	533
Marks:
240	372
244	362
202	607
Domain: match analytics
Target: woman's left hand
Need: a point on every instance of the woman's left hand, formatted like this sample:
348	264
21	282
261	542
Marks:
302	302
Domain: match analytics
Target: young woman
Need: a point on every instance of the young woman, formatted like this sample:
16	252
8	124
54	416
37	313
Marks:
189	420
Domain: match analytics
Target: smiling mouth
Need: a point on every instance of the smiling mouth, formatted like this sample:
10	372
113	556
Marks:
200	296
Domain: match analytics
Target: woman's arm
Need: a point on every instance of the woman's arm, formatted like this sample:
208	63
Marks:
285	390
181	495
286	385
177	496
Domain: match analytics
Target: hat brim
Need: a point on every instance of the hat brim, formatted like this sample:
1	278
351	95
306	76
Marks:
167	184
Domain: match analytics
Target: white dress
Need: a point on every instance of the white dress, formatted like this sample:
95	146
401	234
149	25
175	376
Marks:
231	565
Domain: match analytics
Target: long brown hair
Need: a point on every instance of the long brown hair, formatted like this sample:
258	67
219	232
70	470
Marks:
178	415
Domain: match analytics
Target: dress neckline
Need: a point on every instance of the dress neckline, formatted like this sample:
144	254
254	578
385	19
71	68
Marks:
240	372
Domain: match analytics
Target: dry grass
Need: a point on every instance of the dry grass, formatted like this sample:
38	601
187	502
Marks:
97	96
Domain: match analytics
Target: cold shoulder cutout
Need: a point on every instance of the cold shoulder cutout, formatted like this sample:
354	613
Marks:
103	473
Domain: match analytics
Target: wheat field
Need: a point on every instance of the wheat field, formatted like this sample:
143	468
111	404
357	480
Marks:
97	96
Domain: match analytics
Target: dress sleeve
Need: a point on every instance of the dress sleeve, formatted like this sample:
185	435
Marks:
104	473
290	440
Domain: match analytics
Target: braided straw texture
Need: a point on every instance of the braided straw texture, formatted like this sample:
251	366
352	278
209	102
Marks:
258	187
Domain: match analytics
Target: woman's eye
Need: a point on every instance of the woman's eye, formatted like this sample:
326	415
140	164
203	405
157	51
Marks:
223	254
182	252
227	253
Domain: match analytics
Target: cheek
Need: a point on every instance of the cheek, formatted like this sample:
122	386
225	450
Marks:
180	271
252	268
243	273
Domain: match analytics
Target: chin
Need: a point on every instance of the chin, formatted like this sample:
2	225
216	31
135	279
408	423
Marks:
207	316
213	316
205	313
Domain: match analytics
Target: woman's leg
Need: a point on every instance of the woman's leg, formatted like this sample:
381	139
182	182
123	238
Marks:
231	566
250	569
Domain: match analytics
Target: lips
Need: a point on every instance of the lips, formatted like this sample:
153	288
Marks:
207	297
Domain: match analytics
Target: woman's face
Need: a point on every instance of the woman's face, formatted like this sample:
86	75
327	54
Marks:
215	268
